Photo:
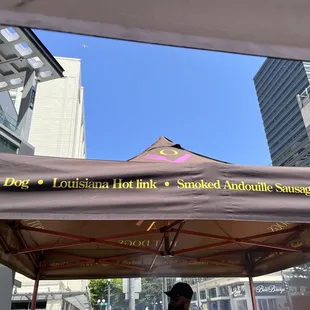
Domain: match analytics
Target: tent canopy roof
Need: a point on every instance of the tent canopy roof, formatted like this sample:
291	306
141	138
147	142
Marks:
167	212
175	151
258	28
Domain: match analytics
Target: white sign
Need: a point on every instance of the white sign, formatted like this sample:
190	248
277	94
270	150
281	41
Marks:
238	291
269	289
127	296
137	285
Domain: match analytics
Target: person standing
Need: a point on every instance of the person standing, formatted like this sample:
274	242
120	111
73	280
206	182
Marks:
180	296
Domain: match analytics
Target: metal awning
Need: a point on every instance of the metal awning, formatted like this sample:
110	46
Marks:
40	297
271	28
22	51
79	301
17	283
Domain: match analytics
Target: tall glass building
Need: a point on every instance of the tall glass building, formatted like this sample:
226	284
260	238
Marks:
278	83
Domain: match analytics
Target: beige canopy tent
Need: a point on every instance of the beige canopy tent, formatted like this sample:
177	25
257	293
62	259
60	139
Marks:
275	28
166	212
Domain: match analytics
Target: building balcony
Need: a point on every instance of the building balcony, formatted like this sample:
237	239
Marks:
303	102
304	98
7	118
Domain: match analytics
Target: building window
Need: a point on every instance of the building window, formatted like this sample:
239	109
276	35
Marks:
224	305
203	294
223	291
267	304
7	147
214	305
242	305
212	293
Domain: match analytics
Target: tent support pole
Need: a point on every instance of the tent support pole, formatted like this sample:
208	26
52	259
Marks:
254	304
35	292
167	241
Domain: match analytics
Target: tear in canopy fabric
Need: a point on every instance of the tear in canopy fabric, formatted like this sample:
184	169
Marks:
270	28
166	212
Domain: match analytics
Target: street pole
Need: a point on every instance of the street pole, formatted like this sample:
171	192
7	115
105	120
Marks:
164	298
100	303
132	302
109	294
163	294
287	292
102	300
198	294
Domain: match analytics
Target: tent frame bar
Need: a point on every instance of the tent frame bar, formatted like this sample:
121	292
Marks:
35	292
106	241
167	251
165	242
252	291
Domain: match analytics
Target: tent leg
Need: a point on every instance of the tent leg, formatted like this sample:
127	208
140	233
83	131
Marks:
35	293
254	304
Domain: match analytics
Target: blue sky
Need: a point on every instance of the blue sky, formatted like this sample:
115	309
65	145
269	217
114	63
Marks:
134	93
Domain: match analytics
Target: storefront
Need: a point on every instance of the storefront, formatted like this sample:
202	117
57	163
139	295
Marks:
220	305
269	295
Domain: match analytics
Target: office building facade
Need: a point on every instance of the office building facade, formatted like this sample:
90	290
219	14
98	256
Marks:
52	295
24	64
278	84
58	123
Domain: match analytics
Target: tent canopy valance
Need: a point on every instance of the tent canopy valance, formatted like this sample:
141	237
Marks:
269	28
166	212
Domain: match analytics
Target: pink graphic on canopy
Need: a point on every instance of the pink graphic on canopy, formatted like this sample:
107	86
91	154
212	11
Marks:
178	160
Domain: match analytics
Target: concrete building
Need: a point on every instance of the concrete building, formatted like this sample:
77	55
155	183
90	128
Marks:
58	125
25	63
277	83
52	295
